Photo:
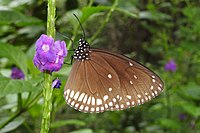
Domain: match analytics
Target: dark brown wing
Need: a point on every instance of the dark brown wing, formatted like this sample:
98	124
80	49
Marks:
110	81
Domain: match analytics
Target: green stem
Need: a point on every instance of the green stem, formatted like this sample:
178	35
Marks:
11	118
90	3
104	22
51	13
22	110
19	101
47	90
47	94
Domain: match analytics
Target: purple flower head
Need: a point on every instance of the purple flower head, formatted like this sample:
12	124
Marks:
49	55
17	73
182	117
56	83
170	66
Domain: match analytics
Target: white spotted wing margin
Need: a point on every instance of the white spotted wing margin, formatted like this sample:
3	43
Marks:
110	81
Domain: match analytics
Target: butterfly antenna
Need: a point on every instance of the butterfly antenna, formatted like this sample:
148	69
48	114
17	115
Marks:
68	39
80	25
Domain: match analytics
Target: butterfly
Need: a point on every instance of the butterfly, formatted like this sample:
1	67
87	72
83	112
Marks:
101	80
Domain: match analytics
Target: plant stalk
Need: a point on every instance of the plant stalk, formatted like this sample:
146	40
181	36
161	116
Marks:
47	90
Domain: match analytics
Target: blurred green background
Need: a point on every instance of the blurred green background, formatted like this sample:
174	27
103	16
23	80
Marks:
153	32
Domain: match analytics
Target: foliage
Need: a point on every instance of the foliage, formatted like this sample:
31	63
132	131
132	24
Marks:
153	32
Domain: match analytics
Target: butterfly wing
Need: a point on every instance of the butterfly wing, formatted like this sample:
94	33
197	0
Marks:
110	81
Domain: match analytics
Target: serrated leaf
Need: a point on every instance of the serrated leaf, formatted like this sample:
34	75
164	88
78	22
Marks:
67	122
12	17
10	86
14	55
12	125
83	131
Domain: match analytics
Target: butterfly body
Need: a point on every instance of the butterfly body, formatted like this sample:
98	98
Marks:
101	80
82	52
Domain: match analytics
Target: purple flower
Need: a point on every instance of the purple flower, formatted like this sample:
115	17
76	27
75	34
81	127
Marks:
56	83
170	66
182	117
49	55
17	73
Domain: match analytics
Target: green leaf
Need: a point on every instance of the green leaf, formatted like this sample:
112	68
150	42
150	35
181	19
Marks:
10	86
15	55
169	123
87	130
12	17
12	125
191	109
191	91
131	14
88	11
67	122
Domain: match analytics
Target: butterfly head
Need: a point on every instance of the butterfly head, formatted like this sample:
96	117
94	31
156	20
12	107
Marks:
82	52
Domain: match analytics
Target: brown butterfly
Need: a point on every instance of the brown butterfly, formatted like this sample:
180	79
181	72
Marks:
101	80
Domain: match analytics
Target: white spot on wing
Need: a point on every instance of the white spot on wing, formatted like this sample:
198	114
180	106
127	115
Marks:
81	97
77	105
151	87
135	76
114	100
81	107
72	94
154	80
128	103
105	97
117	106
160	85
131	82
92	109
128	96
109	76
76	95
156	92
72	103
130	64
159	88
93	101
110	89
106	106
97	109
69	100
139	96
142	100
110	104
89	100
139	101
99	101
85	99
86	108
65	92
